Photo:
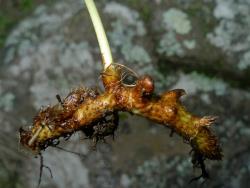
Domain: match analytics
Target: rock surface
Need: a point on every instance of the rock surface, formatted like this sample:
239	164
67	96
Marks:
200	46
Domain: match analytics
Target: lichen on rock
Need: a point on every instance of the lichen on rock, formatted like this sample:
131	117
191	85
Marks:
176	25
6	100
158	172
232	32
195	82
125	28
177	20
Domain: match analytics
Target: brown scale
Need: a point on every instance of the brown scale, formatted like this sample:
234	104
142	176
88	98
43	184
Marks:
57	117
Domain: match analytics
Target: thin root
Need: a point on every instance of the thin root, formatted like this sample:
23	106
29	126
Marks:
41	170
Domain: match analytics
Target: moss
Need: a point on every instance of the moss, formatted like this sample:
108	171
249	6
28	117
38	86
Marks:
9	179
144	8
12	12
27	5
5	24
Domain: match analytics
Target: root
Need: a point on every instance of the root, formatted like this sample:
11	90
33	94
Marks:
96	115
41	170
198	162
88	111
69	151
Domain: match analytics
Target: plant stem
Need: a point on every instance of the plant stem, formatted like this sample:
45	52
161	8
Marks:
100	33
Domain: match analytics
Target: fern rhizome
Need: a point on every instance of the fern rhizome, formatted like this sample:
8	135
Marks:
96	113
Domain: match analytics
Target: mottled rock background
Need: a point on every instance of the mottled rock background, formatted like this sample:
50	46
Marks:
203	46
